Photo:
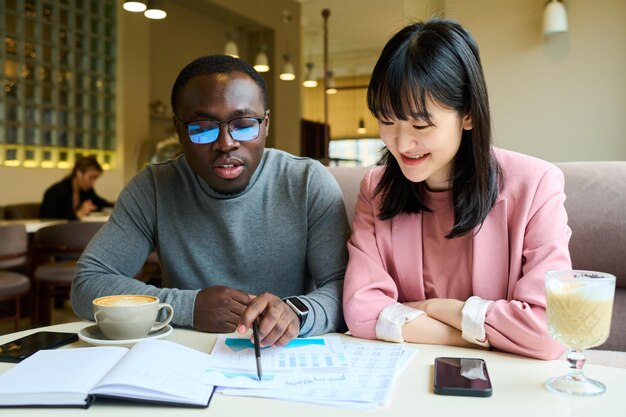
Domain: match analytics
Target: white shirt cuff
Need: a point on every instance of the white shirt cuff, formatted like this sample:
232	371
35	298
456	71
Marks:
392	318
473	321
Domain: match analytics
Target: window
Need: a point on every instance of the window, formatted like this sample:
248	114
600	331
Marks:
355	152
58	70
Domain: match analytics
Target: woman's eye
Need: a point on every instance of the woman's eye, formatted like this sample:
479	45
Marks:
421	127
386	123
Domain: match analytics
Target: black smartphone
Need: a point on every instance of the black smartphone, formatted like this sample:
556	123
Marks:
462	376
19	349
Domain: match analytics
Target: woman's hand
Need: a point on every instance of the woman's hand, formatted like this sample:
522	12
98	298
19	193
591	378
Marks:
85	208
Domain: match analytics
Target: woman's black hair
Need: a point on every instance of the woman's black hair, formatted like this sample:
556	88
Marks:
437	60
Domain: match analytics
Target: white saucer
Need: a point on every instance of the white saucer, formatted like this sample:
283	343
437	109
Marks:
93	335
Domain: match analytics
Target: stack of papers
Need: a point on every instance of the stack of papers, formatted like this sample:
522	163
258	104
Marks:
320	370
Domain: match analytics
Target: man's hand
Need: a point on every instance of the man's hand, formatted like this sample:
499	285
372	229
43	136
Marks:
218	309
278	324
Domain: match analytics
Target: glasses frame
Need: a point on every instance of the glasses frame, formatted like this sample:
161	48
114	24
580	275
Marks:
219	126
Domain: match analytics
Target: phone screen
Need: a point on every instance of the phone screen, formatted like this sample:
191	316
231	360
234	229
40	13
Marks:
462	376
21	348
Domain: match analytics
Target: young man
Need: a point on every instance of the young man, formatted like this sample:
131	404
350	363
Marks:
237	227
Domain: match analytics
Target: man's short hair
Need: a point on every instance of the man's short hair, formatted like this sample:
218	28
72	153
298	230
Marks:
213	64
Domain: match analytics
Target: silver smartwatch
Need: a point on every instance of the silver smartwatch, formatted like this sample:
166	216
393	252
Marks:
298	307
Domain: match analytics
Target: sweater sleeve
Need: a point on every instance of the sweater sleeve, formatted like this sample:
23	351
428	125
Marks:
326	255
368	286
519	325
118	251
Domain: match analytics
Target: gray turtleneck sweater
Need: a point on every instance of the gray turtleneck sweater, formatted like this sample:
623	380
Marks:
284	234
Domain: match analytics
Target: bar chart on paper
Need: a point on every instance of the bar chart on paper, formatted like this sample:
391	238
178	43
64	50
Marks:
312	354
233	362
321	370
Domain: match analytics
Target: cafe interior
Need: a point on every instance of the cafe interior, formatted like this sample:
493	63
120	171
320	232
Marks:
91	77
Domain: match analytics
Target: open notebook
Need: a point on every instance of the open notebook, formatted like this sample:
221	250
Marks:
156	371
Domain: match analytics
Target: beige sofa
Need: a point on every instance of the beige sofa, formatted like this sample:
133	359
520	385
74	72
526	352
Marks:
596	206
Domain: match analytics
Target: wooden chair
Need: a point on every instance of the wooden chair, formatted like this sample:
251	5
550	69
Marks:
13	251
55	253
22	211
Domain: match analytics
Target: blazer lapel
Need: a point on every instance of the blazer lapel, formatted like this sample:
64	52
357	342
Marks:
490	255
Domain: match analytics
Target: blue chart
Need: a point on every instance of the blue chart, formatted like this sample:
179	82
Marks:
311	354
238	344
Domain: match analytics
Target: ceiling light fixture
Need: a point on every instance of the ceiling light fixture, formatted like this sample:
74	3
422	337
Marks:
331	87
261	63
134	6
155	10
361	130
289	73
309	81
554	18
231	47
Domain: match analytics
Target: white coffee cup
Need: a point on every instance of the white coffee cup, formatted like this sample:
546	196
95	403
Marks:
129	316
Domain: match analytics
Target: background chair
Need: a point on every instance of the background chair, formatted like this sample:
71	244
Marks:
55	253
13	251
22	211
596	197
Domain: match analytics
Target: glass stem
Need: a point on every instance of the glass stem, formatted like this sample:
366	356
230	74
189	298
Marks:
576	360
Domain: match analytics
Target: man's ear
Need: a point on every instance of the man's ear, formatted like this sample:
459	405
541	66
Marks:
267	124
467	122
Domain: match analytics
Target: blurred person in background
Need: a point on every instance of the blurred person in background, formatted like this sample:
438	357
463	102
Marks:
74	197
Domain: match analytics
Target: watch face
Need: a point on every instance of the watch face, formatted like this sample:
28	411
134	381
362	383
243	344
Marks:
298	305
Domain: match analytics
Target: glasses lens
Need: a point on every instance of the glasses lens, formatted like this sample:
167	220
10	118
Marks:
243	129
203	132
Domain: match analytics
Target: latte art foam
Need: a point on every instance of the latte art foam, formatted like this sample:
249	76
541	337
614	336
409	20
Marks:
124	300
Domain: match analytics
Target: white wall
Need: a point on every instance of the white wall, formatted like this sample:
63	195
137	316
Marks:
563	97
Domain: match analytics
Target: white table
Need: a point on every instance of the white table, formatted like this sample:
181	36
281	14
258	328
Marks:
33	225
517	390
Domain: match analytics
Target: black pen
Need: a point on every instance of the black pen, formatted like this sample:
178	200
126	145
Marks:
257	349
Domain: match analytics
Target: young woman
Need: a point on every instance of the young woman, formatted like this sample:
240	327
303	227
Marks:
451	236
74	197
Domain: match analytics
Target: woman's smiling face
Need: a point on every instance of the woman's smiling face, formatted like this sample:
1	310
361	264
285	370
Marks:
425	151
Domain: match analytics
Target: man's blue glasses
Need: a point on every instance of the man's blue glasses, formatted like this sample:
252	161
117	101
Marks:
241	129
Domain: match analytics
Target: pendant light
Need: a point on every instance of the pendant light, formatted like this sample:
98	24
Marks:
134	6
361	130
309	81
554	18
231	47
331	87
155	10
261	63
289	73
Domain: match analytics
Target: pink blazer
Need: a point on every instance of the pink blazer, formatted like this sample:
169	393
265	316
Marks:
524	235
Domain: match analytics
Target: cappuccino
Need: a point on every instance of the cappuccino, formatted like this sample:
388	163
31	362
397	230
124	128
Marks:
129	316
124	300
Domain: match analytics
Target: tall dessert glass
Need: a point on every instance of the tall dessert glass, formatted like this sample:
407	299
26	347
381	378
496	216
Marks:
579	307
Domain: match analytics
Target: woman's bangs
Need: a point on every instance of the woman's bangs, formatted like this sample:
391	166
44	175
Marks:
398	96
